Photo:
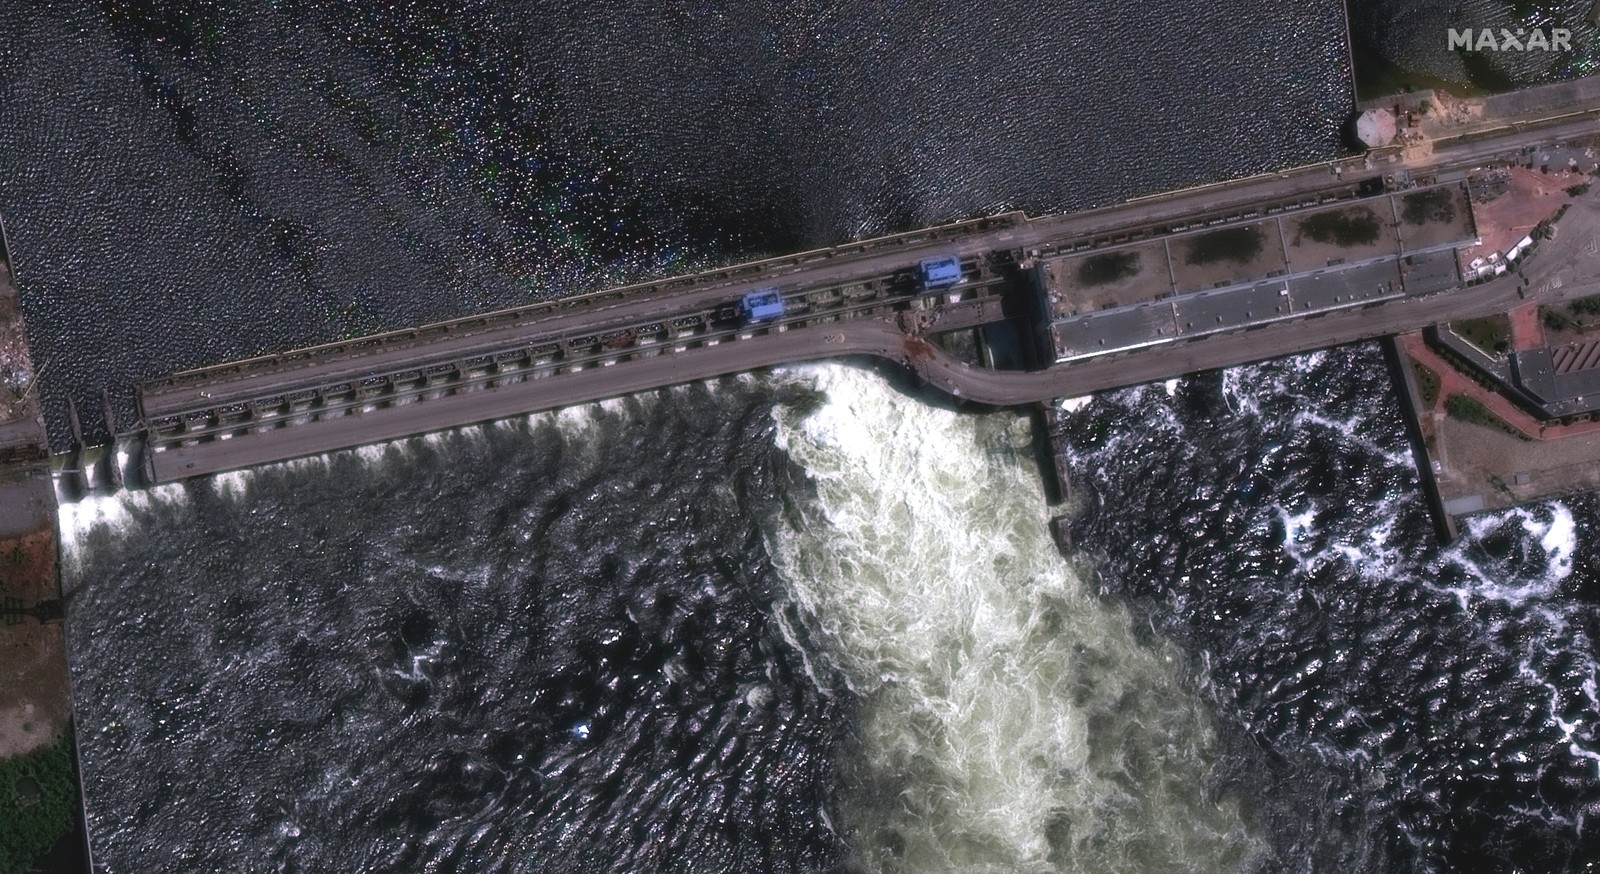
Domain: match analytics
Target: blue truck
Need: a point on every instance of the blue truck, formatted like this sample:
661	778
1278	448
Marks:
761	305
939	272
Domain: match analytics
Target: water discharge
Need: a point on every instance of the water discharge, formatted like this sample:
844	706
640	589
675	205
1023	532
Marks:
1012	720
513	647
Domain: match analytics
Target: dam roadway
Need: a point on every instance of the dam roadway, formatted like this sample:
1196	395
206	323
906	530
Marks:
860	299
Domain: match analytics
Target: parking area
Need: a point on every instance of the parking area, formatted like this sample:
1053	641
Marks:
1235	308
1433	272
1331	289
1233	277
1575	158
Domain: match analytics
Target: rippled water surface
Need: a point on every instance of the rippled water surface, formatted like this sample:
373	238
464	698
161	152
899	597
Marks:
1420	708
508	648
190	182
794	622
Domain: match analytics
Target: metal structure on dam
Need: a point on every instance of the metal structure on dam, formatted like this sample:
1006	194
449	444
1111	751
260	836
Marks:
862	299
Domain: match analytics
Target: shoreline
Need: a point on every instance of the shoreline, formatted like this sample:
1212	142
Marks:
41	794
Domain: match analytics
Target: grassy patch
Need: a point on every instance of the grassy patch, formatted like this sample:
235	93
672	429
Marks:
1108	268
1556	320
1343	228
1427	385
1492	334
1239	245
38	800
1435	206
1574	315
1545	230
1472	410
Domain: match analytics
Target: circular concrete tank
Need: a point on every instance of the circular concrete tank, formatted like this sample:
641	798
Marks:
1376	127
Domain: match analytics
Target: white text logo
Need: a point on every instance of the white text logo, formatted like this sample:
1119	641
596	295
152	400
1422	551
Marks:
1488	39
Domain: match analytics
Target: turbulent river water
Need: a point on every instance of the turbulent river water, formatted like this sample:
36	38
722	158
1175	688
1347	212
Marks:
798	621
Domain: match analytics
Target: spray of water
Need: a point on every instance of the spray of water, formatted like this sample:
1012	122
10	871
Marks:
1012	721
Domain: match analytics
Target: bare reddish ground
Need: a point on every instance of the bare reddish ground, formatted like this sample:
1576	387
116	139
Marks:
1531	198
33	664
1527	329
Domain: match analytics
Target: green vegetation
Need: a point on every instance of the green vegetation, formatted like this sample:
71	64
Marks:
1239	245
1108	268
1343	227
38	800
1427	385
1575	315
1586	306
1578	190
1472	410
1546	230
1436	205
1557	320
1492	334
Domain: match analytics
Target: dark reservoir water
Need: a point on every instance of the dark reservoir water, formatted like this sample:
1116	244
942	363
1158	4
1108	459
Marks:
793	622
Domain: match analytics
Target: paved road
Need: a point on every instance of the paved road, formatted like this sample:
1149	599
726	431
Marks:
875	337
878	338
1556	271
1222	350
822	268
1565	268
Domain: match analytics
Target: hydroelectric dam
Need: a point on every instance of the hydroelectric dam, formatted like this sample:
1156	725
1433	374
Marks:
1149	289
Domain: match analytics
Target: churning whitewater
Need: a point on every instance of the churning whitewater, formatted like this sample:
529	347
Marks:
825	627
914	681
1011	721
1418	708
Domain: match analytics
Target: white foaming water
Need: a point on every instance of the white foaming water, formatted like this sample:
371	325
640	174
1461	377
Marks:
94	516
1296	528
1556	536
97	515
1559	538
1236	395
1355	430
1012	722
